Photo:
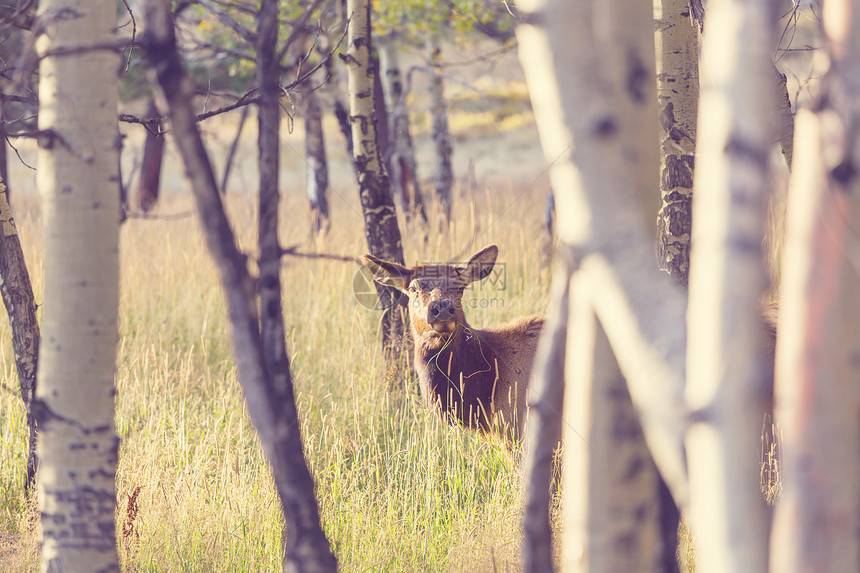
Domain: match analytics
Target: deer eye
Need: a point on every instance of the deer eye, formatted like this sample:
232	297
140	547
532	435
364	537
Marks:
412	289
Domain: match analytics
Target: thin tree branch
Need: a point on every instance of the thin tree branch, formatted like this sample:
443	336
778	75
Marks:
293	252
248	9
230	22
298	29
133	33
299	80
22	18
216	50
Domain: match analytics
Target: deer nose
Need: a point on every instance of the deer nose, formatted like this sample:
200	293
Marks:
441	310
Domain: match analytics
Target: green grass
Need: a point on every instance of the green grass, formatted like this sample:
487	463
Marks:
399	489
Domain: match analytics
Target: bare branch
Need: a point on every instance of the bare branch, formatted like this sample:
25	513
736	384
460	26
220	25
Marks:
248	9
293	252
217	50
431	71
18	153
490	28
230	22
151	124
298	29
28	99
116	46
160	217
250	97
22	17
133	34
299	80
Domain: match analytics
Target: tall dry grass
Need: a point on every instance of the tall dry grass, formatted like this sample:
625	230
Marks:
399	490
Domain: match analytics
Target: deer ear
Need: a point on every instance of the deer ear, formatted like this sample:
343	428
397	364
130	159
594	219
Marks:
481	264
386	273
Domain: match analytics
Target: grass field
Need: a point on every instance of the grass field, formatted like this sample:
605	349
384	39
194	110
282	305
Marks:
399	489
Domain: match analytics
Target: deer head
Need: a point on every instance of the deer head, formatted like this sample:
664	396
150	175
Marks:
435	291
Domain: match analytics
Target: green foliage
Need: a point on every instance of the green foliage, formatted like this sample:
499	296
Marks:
417	21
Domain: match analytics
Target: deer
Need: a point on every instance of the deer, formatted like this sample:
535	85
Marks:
477	378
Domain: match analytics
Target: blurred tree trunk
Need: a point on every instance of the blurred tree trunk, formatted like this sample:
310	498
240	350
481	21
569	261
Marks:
4	148
17	293
544	429
403	172
380	217
729	388
334	87
306	547
443	177
231	155
785	118
258	343
613	510
380	114
598	90
77	179
153	152
317	166
316	186
817	395
268	149
678	99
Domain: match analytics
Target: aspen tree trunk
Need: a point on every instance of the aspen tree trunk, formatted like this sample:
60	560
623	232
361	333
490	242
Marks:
17	294
597	89
150	171
317	166
306	547
341	114
377	204
261	361
443	177
678	99
785	118
4	148
231	155
612	512
268	149
729	386
316	186
817	396
77	179
383	139
544	428
404	173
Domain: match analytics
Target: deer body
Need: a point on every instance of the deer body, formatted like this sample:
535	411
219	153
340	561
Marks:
478	378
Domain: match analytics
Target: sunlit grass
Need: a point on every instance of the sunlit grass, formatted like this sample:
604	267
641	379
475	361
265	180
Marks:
399	489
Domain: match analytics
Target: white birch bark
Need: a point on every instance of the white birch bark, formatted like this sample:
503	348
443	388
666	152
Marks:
404	174
590	71
817	397
729	386
443	176
677	42
612	513
584	87
79	185
377	204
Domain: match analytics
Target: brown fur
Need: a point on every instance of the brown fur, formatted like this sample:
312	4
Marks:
477	378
